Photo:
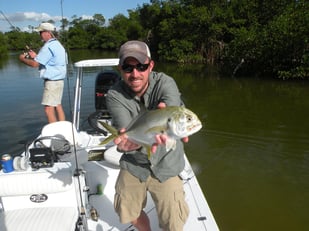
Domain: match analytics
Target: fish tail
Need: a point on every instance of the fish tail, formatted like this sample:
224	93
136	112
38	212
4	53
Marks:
111	129
108	139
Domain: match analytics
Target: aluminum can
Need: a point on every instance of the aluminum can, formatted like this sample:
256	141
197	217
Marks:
99	189
7	163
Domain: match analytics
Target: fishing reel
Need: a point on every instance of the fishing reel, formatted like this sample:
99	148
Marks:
26	52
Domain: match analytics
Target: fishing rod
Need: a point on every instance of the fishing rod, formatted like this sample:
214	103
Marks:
15	28
82	222
12	26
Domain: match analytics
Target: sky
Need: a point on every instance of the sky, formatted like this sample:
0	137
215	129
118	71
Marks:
22	13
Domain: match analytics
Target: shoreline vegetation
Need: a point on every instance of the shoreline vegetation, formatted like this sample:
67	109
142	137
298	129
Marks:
243	37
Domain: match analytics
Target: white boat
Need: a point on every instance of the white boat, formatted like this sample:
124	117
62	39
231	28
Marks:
75	192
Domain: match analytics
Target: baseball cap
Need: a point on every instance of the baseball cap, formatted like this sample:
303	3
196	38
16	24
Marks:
46	26
136	49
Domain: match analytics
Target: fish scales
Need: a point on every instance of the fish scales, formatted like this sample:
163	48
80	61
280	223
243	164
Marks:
149	124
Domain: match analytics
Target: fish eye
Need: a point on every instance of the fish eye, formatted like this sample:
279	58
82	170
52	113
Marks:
189	118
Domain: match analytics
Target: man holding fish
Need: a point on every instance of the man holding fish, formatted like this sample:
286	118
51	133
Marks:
147	110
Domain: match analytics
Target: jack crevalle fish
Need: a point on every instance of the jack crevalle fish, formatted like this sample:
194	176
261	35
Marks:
176	122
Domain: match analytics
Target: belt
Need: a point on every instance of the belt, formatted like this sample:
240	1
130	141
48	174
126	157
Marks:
52	80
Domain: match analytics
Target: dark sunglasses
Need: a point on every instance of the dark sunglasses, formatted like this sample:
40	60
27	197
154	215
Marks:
127	68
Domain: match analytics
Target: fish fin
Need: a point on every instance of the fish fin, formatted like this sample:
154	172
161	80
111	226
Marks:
170	144
148	149
111	129
140	114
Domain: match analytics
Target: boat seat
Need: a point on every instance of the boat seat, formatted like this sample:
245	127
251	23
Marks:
39	219
31	182
45	199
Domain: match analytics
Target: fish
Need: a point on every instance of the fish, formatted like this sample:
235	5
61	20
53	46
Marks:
176	122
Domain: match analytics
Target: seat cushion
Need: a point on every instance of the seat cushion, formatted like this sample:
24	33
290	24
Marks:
39	219
49	180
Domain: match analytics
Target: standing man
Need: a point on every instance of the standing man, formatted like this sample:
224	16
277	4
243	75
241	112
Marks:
51	62
141	88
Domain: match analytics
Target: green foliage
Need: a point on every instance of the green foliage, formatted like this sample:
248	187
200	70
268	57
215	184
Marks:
110	39
3	45
243	37
18	40
279	48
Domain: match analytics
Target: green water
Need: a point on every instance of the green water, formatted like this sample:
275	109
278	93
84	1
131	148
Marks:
251	156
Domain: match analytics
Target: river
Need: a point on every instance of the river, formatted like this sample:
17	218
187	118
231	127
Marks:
251	156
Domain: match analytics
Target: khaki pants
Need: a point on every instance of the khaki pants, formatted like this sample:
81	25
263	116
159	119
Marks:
131	197
53	91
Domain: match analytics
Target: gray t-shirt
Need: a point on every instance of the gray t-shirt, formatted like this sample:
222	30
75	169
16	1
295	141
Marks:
123	106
